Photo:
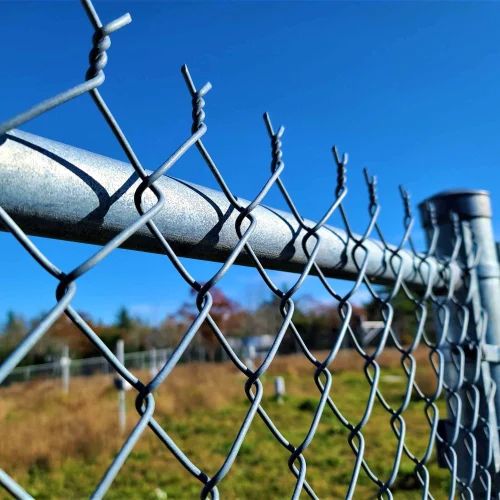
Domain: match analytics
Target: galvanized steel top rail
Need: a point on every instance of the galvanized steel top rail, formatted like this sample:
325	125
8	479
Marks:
81	196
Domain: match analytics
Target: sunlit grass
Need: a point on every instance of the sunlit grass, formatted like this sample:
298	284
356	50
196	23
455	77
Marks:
59	446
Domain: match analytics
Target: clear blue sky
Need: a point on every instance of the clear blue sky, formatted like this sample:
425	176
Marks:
410	90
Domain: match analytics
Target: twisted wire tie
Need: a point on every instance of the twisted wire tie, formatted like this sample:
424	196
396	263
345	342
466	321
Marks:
198	113
97	56
455	222
431	213
197	101
276	144
101	42
371	182
341	170
405	195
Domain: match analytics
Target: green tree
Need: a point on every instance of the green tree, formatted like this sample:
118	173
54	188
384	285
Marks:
15	329
136	334
15	324
406	316
123	319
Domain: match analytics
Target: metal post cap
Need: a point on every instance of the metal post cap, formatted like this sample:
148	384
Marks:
466	203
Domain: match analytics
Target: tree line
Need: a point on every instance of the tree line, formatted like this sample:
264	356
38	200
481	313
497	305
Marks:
318	324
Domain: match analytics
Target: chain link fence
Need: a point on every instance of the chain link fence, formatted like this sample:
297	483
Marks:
455	281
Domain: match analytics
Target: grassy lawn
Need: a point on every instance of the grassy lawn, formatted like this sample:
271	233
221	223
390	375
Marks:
59	446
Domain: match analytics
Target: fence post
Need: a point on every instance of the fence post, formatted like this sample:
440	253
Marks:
251	355
279	390
153	365
120	384
473	209
65	366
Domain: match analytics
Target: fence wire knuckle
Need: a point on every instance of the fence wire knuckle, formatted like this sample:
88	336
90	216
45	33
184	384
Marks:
438	281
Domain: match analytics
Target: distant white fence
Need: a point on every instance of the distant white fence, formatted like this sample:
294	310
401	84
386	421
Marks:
141	360
247	347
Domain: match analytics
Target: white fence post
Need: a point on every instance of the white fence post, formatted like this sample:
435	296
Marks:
153	365
120	385
65	365
279	389
252	354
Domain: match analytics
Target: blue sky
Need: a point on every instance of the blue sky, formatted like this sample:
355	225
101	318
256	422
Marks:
410	90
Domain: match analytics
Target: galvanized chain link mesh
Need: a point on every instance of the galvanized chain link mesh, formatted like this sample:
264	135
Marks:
467	399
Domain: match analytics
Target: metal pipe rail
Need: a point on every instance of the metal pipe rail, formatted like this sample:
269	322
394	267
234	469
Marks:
81	196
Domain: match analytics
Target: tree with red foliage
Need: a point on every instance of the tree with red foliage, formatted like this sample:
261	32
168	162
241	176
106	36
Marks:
226	313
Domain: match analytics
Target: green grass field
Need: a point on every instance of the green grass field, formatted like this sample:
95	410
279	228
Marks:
58	447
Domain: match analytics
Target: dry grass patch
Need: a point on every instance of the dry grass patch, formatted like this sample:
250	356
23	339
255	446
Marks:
58	446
